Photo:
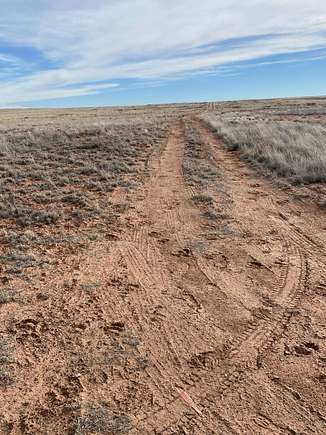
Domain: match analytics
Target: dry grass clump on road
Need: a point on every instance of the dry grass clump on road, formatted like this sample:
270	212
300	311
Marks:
6	360
205	179
294	151
198	168
99	420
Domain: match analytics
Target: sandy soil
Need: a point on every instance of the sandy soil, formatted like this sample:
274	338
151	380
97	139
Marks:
188	325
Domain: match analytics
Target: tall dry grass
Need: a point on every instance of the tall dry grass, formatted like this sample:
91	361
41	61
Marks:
289	150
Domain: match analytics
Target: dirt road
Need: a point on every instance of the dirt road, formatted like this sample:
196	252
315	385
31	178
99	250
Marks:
222	310
195	325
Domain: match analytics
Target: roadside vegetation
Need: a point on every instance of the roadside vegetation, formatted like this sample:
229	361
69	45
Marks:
294	151
56	186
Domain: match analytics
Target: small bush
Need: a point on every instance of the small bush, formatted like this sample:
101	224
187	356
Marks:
77	199
6	358
27	216
19	260
202	199
6	378
6	353
89	288
100	420
7	296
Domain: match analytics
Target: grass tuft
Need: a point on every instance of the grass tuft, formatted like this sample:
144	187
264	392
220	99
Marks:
6	358
7	296
99	420
202	199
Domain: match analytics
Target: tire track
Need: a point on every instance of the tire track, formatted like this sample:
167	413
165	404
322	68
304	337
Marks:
303	242
312	249
285	291
167	207
244	356
214	384
255	339
287	297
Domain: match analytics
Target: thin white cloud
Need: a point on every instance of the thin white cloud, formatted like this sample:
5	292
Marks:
5	58
96	40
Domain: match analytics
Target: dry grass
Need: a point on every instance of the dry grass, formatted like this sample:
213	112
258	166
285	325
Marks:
57	179
6	359
48	176
293	151
99	420
198	168
201	173
7	296
91	118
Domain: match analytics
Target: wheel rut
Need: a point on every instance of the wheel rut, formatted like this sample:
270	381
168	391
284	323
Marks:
245	354
168	218
184	302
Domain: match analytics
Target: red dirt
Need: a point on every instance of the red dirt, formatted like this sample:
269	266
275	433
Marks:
191	330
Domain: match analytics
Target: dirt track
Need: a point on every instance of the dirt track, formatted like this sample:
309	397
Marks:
194	330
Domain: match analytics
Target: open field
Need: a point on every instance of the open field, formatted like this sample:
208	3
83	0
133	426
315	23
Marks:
163	269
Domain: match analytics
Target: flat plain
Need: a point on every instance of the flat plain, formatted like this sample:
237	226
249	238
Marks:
163	269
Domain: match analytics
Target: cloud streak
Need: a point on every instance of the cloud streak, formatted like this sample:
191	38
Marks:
82	43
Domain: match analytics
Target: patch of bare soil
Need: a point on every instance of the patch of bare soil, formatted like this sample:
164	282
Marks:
203	313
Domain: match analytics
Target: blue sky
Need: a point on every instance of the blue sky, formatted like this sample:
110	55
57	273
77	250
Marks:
112	52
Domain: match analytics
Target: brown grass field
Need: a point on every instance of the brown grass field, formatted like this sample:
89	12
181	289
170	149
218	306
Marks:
163	269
